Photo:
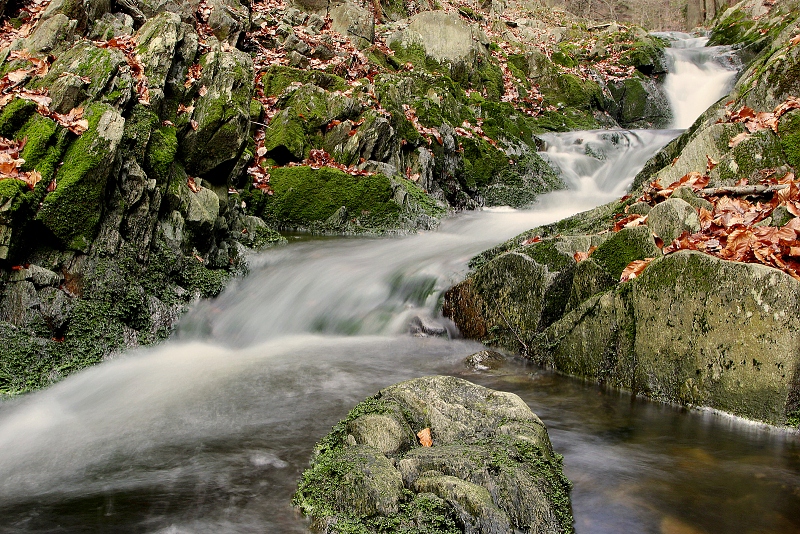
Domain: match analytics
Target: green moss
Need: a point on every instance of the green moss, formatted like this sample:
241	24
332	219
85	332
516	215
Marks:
546	253
278	77
789	133
72	212
198	279
266	237
418	201
161	152
560	58
482	162
84	59
303	196
625	246
138	125
14	115
564	120
26	362
734	29
46	142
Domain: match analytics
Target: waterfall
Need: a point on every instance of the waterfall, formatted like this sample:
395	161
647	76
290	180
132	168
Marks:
209	431
698	76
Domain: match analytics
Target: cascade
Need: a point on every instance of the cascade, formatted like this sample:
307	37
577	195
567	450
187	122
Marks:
209	431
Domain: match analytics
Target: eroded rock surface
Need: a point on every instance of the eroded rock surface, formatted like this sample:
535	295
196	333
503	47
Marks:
490	468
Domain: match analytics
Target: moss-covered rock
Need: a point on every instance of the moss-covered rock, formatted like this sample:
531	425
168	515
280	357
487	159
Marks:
691	329
222	115
73	210
624	247
304	197
491	467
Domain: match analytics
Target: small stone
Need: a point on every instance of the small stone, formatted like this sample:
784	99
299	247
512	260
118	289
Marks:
485	360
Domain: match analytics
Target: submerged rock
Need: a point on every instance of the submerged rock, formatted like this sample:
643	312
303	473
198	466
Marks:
489	468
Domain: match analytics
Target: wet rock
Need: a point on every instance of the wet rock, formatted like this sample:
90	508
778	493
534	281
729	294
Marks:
485	360
491	467
639	102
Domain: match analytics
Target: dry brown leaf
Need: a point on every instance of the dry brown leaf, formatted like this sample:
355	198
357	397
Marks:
193	185
735	140
710	163
194	124
634	269
425	438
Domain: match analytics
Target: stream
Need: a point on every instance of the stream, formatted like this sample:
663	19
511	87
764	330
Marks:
209	432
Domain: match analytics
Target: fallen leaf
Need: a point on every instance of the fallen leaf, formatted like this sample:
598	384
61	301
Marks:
735	140
634	269
710	163
193	185
424	436
194	124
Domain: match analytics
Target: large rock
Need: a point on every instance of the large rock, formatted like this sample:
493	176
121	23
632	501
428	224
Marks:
222	115
166	48
692	329
491	467
72	212
445	37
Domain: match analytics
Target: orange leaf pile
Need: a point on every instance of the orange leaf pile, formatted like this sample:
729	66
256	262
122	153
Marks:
731	230
754	121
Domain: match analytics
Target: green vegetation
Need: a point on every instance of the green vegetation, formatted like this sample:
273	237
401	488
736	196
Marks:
303	196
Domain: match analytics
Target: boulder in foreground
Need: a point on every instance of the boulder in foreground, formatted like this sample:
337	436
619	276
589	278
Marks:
441	455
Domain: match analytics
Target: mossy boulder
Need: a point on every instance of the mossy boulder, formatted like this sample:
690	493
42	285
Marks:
491	467
297	129
222	115
624	247
639	102
692	329
166	47
102	67
74	209
669	219
16	206
445	37
514	295
304	198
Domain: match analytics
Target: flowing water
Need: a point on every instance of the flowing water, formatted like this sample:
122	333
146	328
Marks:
209	432
698	75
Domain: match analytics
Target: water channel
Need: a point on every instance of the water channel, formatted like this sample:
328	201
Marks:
209	432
